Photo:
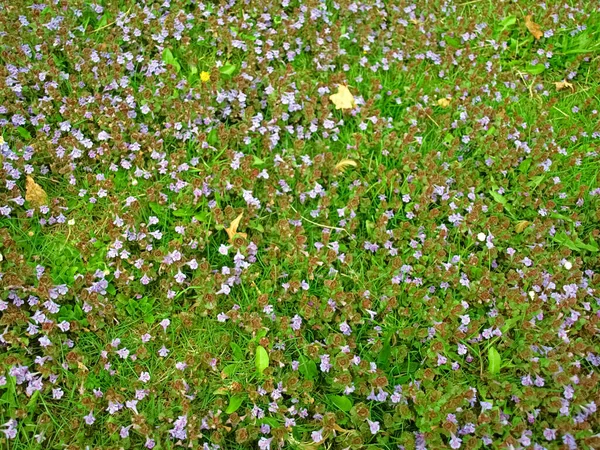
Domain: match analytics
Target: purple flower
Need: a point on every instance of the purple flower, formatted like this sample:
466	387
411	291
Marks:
264	443
455	442
11	429
550	434
296	322
325	365
317	436
345	328
178	431
90	419
373	426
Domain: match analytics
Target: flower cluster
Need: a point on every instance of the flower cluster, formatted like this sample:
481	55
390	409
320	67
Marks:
198	249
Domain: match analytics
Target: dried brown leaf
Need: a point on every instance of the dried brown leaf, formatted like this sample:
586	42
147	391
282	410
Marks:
533	28
522	225
343	99
34	193
564	84
344	164
233	226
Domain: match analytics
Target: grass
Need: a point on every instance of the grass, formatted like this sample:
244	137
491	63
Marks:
442	292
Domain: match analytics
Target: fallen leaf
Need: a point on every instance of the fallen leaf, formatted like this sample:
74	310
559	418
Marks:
343	99
533	28
521	226
560	85
444	102
345	163
232	230
34	193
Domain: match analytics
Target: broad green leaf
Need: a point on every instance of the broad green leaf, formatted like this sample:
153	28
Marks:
230	370
592	247
535	70
341	401
237	351
234	404
494	361
383	359
507	22
524	166
308	368
565	240
168	58
261	359
24	133
499	198
228	69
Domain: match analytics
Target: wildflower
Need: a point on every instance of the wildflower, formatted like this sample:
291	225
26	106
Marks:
89	419
373	426
11	429
455	442
317	436
204	76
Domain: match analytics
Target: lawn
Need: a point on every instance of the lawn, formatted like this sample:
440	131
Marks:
288	224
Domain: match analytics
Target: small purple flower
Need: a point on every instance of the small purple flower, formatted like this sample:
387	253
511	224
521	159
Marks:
317	436
455	442
373	426
264	443
550	434
345	328
89	419
325	364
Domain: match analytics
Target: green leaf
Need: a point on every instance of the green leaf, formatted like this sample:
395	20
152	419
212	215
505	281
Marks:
494	361
383	359
499	198
237	351
341	401
524	166
24	133
168	58
535	70
261	359
230	370
562	239
506	23
308	368
592	247
234	404
228	69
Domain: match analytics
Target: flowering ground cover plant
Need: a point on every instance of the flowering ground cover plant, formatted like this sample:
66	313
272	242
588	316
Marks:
299	224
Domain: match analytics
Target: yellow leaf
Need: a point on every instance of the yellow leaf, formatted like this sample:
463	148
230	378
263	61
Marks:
34	193
343	99
232	230
533	28
560	85
344	163
521	226
444	102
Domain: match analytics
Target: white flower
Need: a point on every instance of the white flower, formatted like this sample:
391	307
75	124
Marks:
481	237
568	265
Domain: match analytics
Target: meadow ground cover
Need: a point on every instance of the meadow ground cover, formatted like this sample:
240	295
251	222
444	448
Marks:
300	224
